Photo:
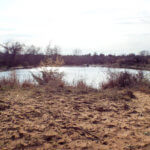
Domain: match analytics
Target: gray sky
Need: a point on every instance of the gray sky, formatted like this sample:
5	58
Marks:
108	26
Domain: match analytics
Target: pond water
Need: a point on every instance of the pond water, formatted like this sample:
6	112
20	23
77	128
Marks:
91	75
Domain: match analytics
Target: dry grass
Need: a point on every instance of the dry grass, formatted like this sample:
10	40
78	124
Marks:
39	119
117	95
81	86
49	118
52	78
27	84
9	82
12	82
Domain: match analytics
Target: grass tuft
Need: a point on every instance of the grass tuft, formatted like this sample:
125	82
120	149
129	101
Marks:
9	82
81	86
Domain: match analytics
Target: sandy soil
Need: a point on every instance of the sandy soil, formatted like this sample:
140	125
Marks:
42	120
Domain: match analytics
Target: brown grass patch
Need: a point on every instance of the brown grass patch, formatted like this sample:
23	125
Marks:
125	80
52	78
9	82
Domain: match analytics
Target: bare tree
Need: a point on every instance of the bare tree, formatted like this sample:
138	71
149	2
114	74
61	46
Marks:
77	52
145	53
32	50
56	50
11	52
52	51
49	50
13	48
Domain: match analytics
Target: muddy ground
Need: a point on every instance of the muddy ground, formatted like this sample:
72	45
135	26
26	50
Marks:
42	120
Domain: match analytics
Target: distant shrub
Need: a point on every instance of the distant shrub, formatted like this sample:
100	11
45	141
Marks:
124	79
50	62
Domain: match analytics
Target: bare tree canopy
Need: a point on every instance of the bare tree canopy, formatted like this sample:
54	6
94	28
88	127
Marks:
13	48
145	53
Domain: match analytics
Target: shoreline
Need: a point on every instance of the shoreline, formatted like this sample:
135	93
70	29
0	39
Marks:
92	65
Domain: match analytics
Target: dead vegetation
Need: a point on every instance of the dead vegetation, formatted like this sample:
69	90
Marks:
44	119
52	78
12	82
54	115
125	79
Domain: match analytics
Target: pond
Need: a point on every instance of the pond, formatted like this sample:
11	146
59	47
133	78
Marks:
92	75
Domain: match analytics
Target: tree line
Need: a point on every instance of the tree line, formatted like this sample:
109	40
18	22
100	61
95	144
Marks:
14	54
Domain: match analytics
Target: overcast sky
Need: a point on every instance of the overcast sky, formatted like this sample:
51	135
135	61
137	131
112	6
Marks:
108	26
